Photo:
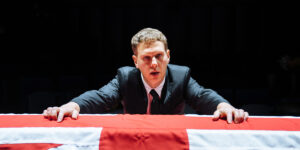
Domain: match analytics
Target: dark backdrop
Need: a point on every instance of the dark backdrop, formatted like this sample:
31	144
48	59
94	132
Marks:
51	51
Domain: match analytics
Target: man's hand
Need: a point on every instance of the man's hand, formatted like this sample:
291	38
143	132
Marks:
231	113
58	113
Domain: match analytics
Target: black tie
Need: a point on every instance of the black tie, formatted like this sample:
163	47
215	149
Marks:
155	105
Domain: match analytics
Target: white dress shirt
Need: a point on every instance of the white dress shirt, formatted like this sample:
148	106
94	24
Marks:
158	90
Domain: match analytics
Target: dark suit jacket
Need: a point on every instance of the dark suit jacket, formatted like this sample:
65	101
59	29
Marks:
127	87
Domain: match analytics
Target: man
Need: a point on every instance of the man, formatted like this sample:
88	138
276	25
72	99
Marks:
153	87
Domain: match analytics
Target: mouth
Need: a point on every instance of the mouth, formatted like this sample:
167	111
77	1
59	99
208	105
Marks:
154	73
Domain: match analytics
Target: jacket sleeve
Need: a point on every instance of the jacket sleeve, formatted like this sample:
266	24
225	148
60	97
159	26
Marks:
100	101
204	101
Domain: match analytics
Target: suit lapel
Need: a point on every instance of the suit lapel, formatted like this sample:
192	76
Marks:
137	96
143	92
168	88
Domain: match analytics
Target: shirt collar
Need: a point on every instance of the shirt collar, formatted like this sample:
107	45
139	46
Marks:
158	89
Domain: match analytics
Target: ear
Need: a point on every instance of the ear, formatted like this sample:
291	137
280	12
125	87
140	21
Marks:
168	55
135	61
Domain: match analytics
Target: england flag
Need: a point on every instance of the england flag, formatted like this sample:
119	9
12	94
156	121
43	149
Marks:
148	132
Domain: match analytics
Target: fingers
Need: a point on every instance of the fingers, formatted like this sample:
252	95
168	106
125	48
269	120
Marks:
238	115
54	113
51	113
61	115
241	116
246	116
75	114
216	116
45	113
231	114
223	113
64	112
58	113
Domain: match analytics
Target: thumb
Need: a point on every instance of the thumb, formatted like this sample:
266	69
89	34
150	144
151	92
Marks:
75	114
216	116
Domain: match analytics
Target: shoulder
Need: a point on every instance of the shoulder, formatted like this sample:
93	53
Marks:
178	73
128	75
126	69
178	69
127	72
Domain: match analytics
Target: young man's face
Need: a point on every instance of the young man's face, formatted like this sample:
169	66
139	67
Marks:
152	60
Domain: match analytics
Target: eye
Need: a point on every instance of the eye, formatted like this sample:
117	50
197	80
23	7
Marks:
158	56
147	58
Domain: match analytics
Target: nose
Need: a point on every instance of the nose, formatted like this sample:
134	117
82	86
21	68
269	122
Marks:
154	63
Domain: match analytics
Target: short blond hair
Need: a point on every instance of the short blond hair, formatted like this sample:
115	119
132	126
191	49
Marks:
148	35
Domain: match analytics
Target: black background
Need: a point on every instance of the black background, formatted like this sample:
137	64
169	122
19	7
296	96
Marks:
52	51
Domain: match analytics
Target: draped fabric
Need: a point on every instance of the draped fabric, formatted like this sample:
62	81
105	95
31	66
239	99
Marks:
142	132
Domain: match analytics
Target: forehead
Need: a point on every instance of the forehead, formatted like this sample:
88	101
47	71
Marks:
150	47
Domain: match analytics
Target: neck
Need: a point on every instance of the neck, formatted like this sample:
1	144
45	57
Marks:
152	85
